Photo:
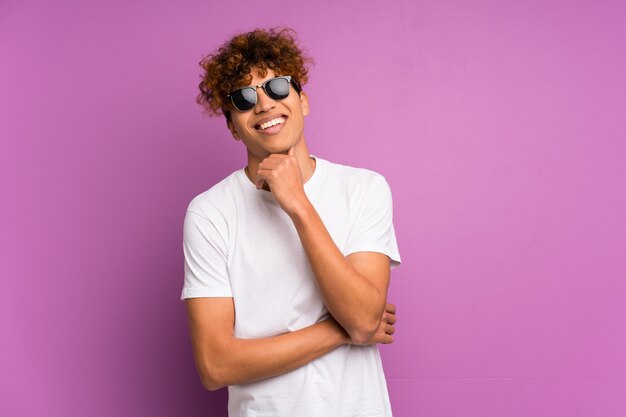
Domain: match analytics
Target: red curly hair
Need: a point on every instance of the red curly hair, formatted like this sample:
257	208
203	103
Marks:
230	67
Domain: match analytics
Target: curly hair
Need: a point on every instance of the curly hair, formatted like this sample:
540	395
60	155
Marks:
230	67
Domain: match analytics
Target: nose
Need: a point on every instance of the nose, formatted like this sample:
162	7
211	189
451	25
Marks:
263	101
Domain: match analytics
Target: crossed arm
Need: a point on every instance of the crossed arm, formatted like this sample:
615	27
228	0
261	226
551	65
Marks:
354	289
222	359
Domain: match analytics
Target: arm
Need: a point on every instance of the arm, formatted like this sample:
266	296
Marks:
354	287
221	359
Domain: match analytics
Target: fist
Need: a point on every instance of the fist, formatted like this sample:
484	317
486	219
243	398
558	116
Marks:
282	174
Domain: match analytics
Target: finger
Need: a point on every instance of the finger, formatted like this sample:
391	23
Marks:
390	318
391	308
268	174
264	172
260	178
277	165
277	156
269	164
390	329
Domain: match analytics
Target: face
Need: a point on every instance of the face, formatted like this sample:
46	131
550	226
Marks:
248	126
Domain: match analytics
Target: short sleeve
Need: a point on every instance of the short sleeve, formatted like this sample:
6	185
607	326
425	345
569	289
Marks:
206	259
372	229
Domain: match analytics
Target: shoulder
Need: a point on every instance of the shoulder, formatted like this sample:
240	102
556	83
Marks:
218	199
355	178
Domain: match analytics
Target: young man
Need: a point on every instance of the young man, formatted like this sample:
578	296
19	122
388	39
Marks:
287	261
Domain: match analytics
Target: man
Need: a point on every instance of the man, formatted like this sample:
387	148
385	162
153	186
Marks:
287	261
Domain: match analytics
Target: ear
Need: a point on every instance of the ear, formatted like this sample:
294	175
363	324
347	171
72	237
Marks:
304	103
231	127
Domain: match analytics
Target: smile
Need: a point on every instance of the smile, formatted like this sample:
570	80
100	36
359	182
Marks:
276	121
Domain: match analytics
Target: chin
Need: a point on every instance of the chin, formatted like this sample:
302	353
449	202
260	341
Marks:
278	148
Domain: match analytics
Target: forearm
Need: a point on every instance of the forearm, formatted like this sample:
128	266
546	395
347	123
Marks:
353	301
247	360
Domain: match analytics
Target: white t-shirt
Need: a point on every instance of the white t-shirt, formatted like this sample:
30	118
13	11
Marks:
239	243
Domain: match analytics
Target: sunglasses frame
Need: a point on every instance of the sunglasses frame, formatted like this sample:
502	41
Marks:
262	85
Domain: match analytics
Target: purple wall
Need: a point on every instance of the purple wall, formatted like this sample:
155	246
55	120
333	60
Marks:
499	125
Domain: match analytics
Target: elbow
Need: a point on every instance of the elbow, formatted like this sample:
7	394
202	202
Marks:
211	384
212	387
211	378
215	367
363	333
365	326
365	323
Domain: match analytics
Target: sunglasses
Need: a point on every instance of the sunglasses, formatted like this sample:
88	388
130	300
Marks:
276	88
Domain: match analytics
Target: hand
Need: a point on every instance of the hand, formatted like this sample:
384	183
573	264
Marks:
385	327
283	175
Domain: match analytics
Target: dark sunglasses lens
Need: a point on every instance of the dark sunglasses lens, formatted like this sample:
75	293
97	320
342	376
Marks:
244	99
278	88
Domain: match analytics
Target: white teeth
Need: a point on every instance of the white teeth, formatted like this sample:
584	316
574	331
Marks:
272	122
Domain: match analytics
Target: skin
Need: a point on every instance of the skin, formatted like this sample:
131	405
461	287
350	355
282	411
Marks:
354	287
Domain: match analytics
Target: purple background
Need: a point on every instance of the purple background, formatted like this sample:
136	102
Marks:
499	125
